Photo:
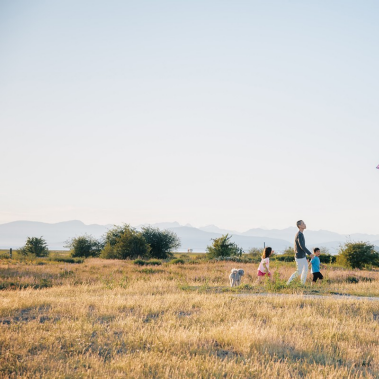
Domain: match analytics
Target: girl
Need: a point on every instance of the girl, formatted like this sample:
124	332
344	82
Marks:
263	268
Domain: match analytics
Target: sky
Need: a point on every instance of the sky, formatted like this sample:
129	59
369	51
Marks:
235	113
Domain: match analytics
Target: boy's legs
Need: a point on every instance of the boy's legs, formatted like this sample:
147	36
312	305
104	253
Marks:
317	275
300	263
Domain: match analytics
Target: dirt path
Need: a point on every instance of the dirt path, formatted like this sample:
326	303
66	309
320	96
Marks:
339	297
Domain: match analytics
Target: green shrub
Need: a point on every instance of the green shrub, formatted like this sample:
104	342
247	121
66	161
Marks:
45	283
34	246
327	258
125	242
193	262
177	261
358	255
254	255
153	262
67	259
222	247
84	246
352	279
161	242
284	258
151	271
233	259
139	262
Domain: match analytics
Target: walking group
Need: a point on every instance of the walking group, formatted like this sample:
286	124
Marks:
301	260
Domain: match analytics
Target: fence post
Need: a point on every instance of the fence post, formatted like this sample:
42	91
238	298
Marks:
10	253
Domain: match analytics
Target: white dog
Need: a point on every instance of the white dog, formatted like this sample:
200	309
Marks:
235	277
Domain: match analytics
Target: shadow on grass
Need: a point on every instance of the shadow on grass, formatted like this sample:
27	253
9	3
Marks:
287	352
39	313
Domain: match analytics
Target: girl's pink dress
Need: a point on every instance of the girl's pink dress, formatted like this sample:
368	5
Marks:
261	269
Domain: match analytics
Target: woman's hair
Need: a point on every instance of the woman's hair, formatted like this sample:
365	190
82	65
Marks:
266	252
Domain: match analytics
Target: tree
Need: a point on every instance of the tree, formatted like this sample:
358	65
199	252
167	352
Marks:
125	242
84	246
357	255
289	251
162	242
35	246
222	247
113	235
255	254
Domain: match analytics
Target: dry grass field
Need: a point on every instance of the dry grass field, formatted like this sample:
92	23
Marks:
113	319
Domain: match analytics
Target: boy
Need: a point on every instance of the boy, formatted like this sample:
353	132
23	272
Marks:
315	263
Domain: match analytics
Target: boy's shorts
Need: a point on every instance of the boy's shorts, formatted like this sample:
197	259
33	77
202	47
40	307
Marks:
260	273
317	275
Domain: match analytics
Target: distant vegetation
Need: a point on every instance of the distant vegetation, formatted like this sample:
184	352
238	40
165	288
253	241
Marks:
125	242
34	246
223	247
289	256
151	262
84	246
161	242
358	255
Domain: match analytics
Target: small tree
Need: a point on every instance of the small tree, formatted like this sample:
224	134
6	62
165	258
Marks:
222	247
162	242
35	246
124	242
84	246
255	254
289	251
357	255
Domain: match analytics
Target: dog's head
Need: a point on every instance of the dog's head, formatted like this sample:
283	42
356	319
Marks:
241	272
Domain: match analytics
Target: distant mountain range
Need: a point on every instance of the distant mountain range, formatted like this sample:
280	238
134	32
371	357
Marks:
14	235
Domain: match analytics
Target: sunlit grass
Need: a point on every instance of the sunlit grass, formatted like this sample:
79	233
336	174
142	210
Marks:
110	319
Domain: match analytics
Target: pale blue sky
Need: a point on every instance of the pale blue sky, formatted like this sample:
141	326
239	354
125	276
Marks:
238	114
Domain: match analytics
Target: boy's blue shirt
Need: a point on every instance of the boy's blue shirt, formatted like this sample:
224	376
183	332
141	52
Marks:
315	264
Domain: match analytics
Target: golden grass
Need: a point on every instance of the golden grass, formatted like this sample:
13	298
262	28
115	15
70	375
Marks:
112	319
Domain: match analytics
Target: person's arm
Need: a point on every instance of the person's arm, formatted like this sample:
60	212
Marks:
302	244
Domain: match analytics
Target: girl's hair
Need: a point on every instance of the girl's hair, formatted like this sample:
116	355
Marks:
266	252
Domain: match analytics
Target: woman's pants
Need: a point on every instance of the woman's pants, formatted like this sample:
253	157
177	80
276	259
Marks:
301	269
